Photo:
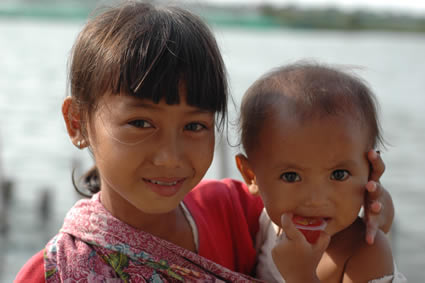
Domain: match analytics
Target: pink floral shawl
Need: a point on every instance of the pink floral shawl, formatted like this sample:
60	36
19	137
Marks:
94	246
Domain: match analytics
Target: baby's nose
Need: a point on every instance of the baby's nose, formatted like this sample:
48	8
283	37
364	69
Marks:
317	195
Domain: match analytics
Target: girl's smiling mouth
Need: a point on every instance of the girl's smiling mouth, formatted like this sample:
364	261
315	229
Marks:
166	187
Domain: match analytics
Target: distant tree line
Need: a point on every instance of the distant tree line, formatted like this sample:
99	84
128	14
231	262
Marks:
331	18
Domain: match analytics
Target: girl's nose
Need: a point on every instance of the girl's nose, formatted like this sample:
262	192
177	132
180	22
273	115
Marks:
168	151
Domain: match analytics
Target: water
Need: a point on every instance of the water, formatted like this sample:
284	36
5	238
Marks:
37	154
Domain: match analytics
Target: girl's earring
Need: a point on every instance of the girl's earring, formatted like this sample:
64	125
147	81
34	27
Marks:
253	188
79	144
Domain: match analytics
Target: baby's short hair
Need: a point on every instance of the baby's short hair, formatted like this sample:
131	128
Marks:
311	90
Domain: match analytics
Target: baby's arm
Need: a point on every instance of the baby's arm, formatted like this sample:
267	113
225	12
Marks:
295	258
378	208
370	261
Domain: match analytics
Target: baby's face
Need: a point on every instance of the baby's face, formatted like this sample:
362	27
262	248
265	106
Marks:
315	169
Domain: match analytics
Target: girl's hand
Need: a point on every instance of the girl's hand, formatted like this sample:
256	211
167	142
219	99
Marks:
378	205
295	258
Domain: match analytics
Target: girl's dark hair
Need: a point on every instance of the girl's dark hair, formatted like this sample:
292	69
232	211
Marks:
145	51
310	89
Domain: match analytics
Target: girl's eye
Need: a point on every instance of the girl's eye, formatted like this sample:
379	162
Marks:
140	124
340	175
194	127
290	177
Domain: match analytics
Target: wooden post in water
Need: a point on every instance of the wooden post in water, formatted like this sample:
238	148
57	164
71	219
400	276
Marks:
6	187
45	205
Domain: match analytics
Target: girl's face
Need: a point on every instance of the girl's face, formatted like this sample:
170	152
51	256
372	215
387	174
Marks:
315	169
149	155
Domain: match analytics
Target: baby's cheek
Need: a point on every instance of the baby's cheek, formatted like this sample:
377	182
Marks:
277	201
350	203
273	214
358	196
357	201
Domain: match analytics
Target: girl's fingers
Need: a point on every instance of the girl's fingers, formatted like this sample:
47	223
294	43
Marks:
371	230
377	165
374	191
288	227
372	221
373	204
375	207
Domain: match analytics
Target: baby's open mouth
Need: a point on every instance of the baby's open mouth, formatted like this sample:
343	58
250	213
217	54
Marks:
310	226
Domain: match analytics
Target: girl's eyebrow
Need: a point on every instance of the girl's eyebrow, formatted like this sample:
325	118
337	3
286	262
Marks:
140	104
137	102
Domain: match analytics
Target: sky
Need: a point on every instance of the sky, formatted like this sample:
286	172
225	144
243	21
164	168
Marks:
414	6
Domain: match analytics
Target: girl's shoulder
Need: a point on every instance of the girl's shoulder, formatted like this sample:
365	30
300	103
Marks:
227	195
33	270
226	217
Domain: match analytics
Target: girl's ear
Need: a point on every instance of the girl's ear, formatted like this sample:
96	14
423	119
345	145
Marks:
247	173
72	118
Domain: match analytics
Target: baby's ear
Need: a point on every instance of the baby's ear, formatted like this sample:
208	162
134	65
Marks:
248	175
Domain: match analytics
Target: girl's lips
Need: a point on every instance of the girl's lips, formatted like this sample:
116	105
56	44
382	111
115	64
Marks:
166	187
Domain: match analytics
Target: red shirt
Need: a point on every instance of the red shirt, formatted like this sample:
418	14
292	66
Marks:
226	216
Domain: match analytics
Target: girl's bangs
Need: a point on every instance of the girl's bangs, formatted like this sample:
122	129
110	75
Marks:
179	51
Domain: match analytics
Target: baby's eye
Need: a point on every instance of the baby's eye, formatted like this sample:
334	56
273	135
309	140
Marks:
194	127
290	177
340	175
140	124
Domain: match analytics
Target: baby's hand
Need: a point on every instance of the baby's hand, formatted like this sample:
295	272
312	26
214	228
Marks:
378	206
295	258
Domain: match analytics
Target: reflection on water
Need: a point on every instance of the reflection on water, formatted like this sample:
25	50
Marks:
38	156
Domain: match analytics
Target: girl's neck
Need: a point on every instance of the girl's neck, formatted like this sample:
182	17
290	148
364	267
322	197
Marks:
171	226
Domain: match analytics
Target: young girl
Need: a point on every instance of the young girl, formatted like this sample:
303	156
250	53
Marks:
147	86
307	130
